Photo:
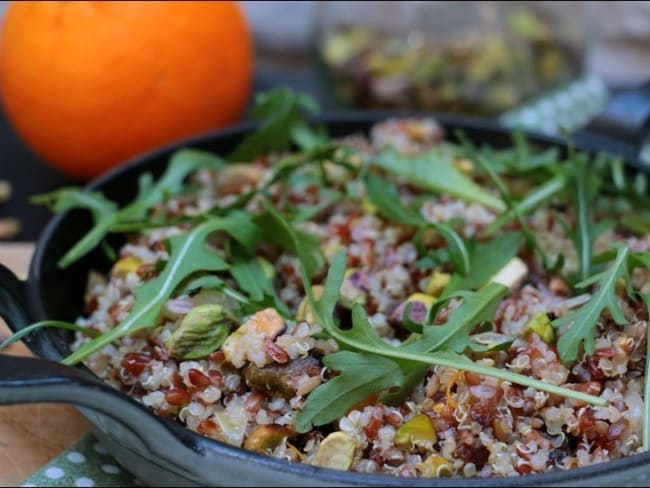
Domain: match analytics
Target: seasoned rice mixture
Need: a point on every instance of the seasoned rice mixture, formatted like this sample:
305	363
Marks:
427	265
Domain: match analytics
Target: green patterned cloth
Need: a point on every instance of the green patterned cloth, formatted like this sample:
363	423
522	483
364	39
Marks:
86	463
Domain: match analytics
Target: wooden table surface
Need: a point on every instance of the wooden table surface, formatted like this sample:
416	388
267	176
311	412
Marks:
31	435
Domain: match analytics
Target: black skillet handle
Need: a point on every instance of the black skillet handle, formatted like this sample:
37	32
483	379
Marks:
13	301
623	126
30	380
14	309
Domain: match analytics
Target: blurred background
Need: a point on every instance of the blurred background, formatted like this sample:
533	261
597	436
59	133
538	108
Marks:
543	65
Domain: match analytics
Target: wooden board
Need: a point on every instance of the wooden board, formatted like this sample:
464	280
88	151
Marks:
31	435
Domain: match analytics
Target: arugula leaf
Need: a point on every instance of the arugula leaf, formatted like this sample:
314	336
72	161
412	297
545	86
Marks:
413	373
586	187
457	249
106	214
362	338
523	159
68	198
251	278
188	255
281	112
529	203
509	201
302	213
361	376
282	170
584	320
383	194
102	210
435	171
639	223
234	307
454	334
278	231
519	158
486	259
307	138
476	307
249	275
208	282
641	259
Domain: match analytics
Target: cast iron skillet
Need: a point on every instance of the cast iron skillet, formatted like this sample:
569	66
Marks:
161	452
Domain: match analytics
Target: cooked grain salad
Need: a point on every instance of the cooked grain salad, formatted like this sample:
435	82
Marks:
402	302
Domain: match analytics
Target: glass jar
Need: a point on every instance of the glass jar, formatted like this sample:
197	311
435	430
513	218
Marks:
479	58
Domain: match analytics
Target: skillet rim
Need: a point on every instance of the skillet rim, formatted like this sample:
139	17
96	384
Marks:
193	440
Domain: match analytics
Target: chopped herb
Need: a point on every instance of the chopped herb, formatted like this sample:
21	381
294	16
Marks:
188	255
55	324
582	322
384	196
585	187
278	231
362	375
486	259
477	307
282	115
436	171
530	202
508	199
106	214
248	272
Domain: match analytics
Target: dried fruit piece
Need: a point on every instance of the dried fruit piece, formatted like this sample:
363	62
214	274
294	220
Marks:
352	288
202	331
435	466
541	325
465	166
420	305
417	430
368	207
336	452
305	312
265	438
125	266
437	283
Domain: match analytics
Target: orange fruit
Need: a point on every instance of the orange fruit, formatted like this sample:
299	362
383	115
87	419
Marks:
90	84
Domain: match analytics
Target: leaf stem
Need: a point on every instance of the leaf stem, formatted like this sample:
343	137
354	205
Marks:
448	360
47	323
